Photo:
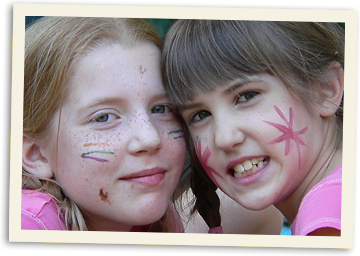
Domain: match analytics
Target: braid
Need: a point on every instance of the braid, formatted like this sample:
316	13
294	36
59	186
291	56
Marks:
207	201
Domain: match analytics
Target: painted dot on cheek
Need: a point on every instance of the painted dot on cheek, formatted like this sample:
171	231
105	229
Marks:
104	196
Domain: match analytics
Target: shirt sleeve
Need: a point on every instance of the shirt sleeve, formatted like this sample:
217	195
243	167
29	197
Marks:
39	211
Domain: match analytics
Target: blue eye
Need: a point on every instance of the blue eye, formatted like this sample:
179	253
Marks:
104	118
161	109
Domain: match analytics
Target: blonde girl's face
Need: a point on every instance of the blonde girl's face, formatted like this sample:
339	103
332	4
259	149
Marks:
118	150
255	140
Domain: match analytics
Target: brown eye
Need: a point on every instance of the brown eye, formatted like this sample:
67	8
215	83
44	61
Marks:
200	115
244	97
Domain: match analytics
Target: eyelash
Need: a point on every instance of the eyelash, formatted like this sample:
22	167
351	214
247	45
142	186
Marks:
244	97
108	117
241	98
169	109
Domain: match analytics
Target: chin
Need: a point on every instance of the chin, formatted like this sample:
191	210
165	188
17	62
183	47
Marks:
255	204
152	213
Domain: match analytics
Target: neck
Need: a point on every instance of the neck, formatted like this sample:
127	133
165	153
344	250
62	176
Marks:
329	158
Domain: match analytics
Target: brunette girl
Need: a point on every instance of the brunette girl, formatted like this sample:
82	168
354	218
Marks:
262	107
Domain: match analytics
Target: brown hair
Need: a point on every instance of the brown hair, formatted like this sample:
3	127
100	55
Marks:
53	45
200	55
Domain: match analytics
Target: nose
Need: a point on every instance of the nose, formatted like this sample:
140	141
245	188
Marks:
144	137
228	135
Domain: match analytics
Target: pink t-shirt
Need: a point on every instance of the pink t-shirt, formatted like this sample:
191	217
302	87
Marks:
39	211
321	206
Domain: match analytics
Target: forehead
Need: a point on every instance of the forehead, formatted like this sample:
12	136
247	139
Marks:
113	71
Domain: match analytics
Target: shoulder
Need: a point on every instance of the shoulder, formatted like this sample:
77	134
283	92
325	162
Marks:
321	206
39	211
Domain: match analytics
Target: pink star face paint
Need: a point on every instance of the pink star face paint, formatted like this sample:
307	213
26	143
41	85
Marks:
288	132
203	158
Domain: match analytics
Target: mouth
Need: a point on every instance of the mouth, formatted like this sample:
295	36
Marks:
146	177
248	167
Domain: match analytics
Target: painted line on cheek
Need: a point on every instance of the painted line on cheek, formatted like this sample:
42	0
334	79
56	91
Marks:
179	137
95	144
175	131
86	155
94	158
97	151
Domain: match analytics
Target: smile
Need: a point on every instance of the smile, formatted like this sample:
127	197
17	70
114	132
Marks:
248	167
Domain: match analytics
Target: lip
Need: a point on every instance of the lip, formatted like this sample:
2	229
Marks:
248	179
150	177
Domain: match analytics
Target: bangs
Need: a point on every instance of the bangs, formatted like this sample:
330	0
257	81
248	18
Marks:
200	55
196	64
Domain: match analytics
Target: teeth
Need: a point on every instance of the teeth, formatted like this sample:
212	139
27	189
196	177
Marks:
248	165
239	168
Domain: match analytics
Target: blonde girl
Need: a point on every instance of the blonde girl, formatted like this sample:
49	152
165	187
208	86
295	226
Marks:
262	106
102	148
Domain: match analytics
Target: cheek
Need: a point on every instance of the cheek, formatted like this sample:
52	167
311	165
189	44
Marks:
85	159
291	135
204	155
174	143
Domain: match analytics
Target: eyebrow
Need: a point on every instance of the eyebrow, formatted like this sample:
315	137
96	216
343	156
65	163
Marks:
161	94
116	100
187	106
101	101
235	85
232	87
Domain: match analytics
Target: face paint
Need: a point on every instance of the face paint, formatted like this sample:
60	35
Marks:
95	144
203	158
288	132
177	132
104	196
142	70
86	155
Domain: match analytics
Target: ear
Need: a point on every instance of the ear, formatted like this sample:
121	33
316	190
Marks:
33	160
332	91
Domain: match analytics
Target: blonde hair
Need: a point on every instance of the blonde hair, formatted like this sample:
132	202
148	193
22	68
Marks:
53	46
200	55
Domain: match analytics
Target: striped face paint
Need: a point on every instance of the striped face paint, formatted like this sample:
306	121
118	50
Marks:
178	134
87	155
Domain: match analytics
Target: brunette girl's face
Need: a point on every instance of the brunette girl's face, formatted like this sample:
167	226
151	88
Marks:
118	149
255	140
